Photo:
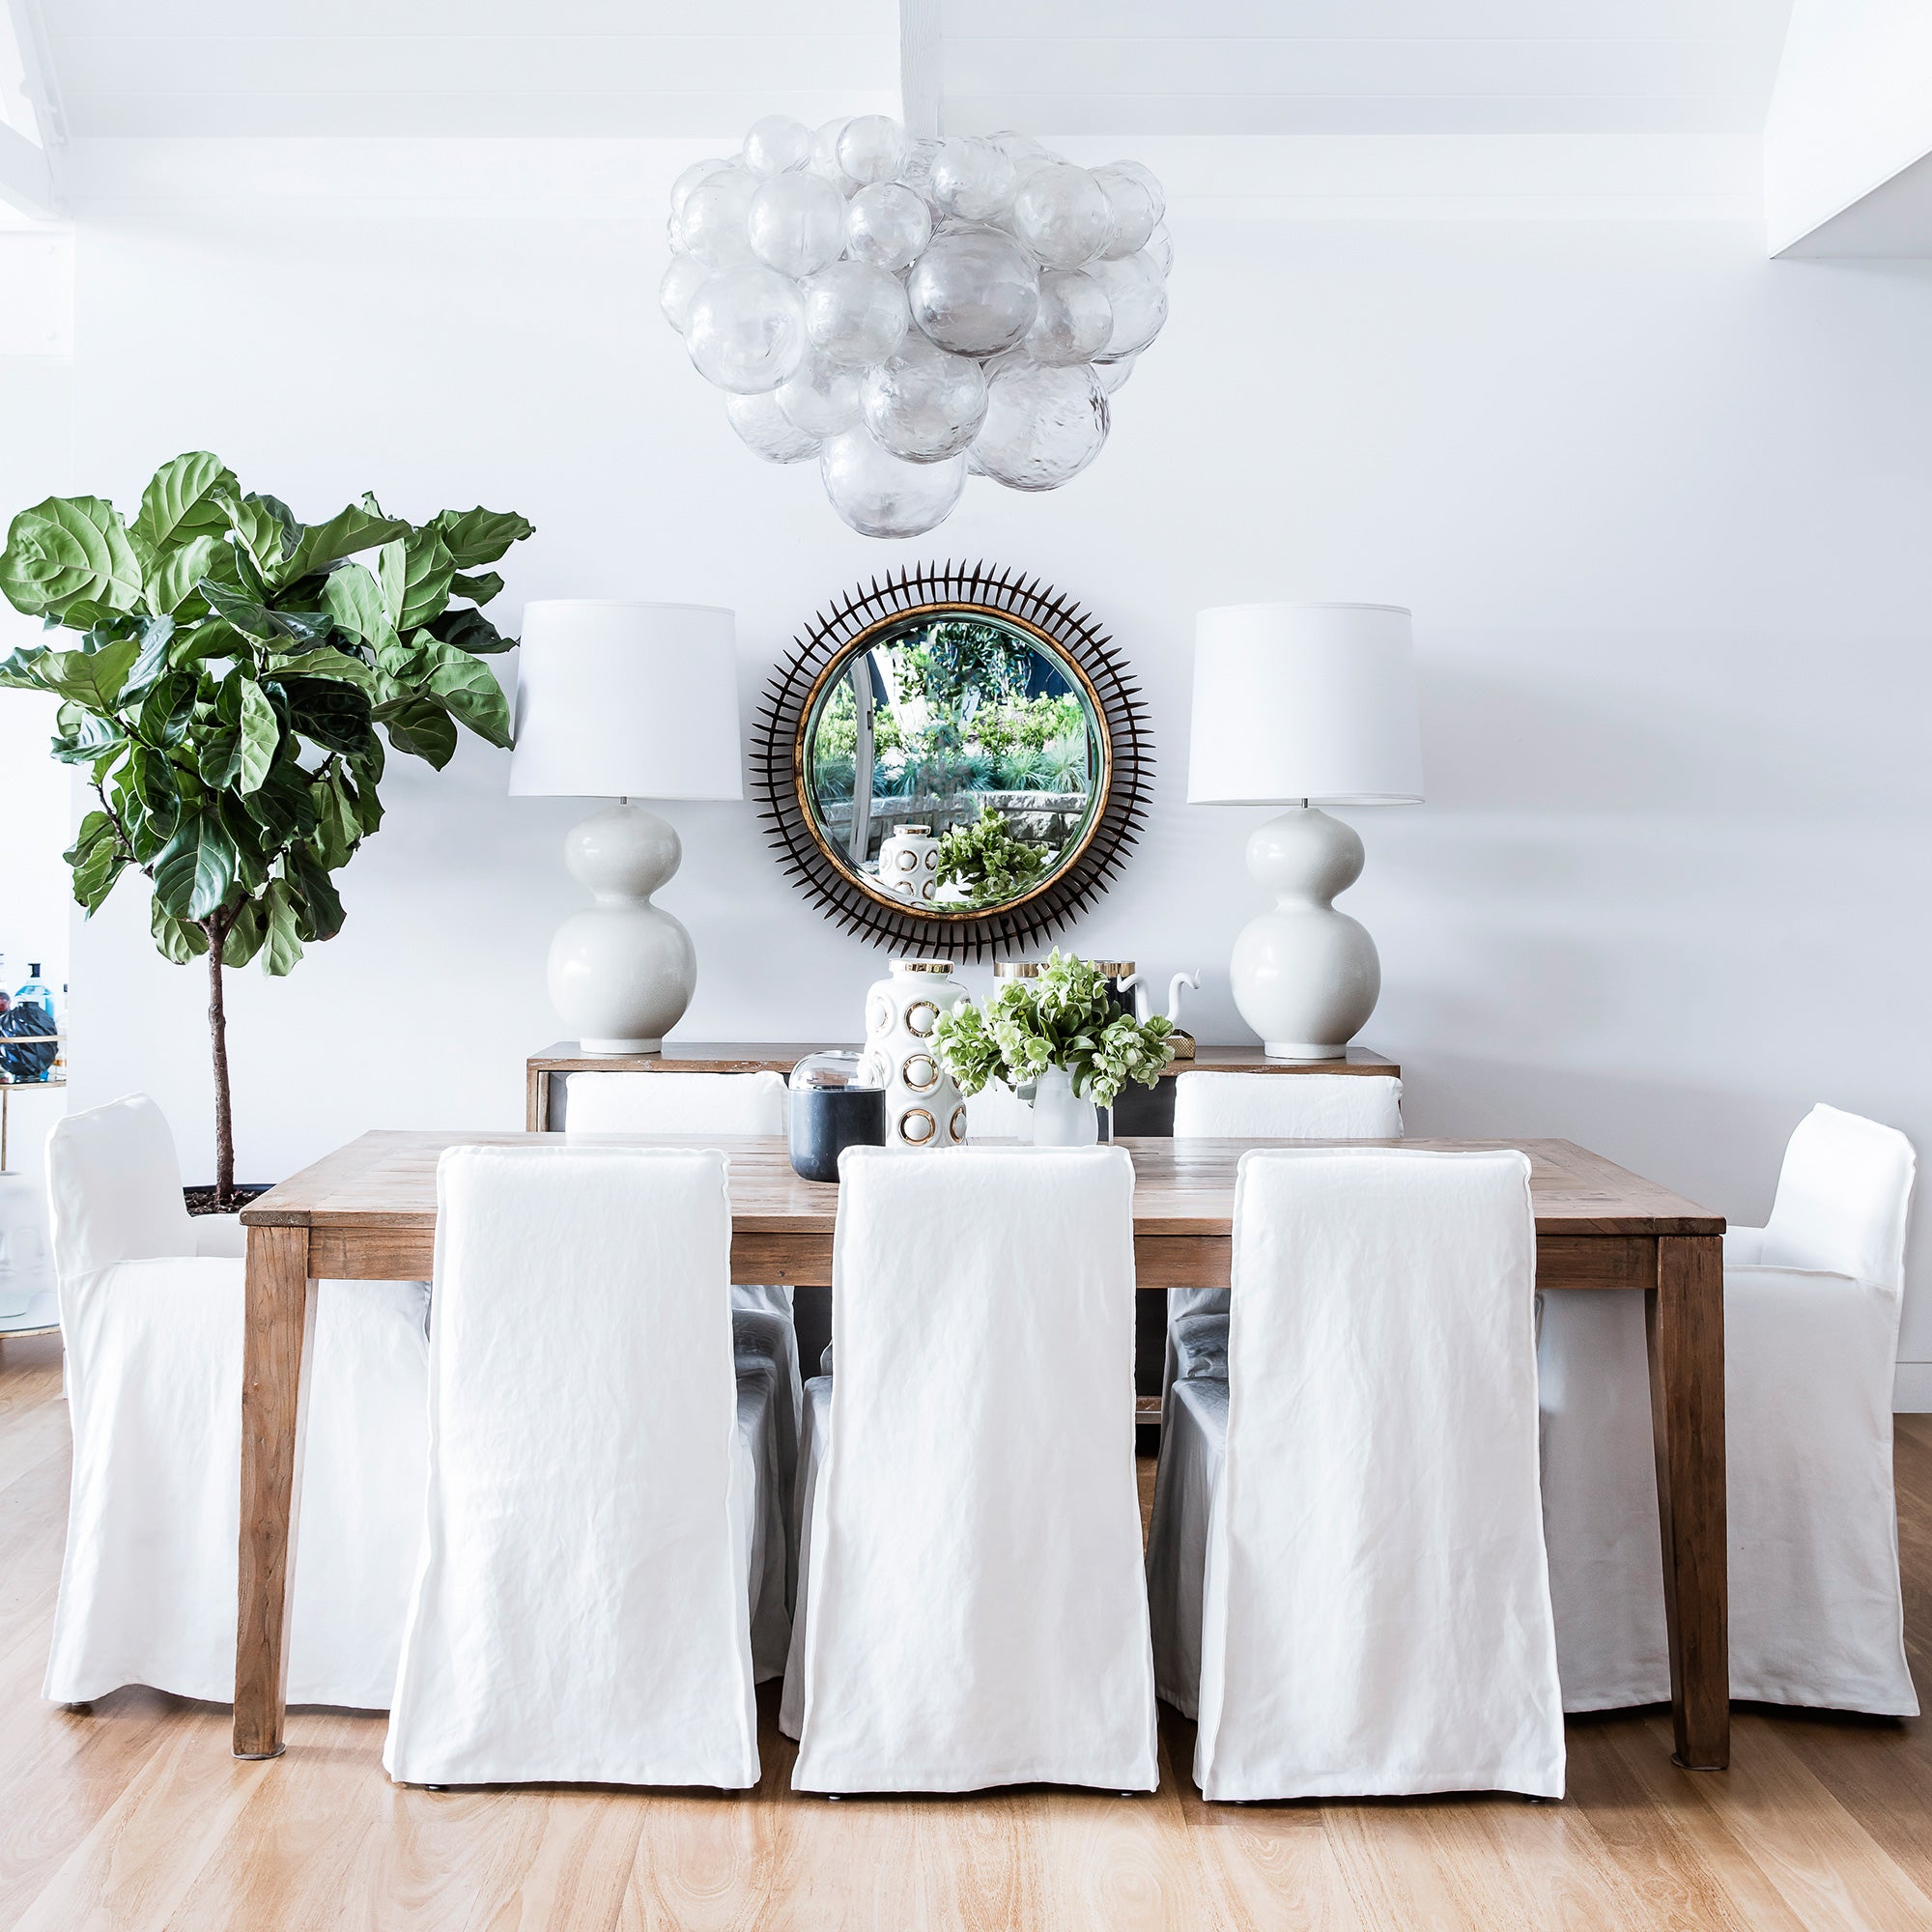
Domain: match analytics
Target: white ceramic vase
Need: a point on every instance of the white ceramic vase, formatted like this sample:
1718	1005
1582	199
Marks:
925	1107
1060	1117
909	865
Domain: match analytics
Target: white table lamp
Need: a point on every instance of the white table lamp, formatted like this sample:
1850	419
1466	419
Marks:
1304	704
625	701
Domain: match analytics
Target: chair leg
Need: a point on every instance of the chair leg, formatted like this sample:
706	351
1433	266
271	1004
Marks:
80	1709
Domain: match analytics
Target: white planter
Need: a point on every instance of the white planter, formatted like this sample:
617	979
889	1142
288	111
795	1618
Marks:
1061	1118
925	1107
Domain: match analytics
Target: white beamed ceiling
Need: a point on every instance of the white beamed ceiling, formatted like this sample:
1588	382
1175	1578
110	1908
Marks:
644	67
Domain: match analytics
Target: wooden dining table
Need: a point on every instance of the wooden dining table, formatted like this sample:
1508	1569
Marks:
367	1212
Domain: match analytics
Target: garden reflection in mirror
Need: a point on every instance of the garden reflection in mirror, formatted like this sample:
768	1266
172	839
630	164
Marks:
960	746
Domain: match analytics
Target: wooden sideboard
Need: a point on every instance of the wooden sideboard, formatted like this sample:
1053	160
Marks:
1138	1112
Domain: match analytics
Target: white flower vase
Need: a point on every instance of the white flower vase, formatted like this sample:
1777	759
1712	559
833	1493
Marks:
925	1107
1060	1117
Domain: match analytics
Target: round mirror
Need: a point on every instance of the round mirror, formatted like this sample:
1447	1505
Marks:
954	762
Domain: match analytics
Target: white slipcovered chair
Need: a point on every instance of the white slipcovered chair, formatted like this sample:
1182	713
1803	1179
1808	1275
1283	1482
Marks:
972	1609
1261	1106
150	1308
1811	1309
592	1606
724	1105
1345	1563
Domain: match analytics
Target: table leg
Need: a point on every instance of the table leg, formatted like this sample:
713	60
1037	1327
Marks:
1685	1320
279	1327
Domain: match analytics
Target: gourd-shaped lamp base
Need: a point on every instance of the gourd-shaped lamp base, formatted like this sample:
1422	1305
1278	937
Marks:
1305	977
622	971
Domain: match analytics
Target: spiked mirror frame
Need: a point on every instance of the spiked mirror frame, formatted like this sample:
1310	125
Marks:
936	590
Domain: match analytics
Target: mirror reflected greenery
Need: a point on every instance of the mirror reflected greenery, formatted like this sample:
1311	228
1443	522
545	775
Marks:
953	760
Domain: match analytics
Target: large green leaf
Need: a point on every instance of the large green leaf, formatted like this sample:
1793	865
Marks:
284	804
480	536
67	550
247	613
420	728
332	715
478	589
428	570
355	600
260	734
156	645
176	938
166	709
148	798
469	689
180	504
253	853
243	938
196	868
330	663
472	631
172	576
96	859
19	670
84	737
278	917
322	912
391	570
94	679
345	533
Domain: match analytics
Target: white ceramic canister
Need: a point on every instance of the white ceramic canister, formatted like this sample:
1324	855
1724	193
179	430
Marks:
924	1105
909	865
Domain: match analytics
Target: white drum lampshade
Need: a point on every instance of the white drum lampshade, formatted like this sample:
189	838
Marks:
1304	704
625	701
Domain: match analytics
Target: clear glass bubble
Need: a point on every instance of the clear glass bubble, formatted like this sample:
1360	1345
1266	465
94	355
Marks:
797	223
855	314
923	404
872	149
972	178
821	399
975	290
1135	288
712	223
1135	211
1075	321
744	330
1043	426
682	281
881	494
1022	150
1063	214
1113	375
765	431
916	171
824	162
1136	171
776	145
1160	250
681	187
887	225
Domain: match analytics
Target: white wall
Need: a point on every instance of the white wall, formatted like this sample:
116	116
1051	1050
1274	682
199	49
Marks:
1659	506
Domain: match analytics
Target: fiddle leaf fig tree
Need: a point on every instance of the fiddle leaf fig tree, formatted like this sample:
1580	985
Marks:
227	677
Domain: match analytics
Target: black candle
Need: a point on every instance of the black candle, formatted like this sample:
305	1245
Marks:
834	1106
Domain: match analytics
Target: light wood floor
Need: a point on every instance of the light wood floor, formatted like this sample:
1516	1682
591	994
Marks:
137	1817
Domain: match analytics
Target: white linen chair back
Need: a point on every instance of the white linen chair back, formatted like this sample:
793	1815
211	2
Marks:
1376	1617
581	1610
114	1189
1841	1201
973	1602
151	1319
675	1103
1287	1106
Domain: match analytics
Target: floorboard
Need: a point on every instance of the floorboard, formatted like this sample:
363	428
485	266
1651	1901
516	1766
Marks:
135	1819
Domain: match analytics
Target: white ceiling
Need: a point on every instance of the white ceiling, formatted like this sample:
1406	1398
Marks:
650	67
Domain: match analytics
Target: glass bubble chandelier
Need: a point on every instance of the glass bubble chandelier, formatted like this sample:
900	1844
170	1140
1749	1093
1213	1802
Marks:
911	312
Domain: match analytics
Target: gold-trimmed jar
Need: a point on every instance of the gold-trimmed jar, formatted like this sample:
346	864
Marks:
924	1105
